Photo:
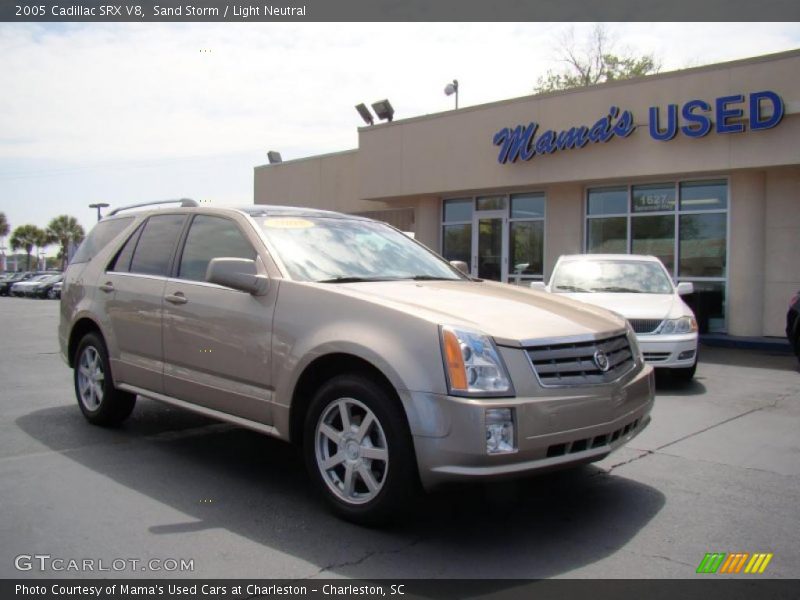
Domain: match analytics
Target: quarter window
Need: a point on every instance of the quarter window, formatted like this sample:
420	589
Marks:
208	238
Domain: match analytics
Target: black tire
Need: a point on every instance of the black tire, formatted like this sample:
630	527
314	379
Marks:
684	375
797	347
110	407
397	476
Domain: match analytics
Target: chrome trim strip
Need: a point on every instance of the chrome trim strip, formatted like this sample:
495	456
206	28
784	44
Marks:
583	337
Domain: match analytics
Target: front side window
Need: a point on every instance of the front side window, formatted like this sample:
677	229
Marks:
339	250
156	244
208	238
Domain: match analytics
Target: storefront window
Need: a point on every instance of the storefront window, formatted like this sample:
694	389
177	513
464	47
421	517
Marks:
704	195
457	210
702	249
608	236
683	223
653	198
492	203
655	235
526	238
456	242
608	201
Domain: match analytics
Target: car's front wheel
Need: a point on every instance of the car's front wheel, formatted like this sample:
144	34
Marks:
358	450
100	402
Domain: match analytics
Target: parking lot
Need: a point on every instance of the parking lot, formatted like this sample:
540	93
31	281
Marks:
718	470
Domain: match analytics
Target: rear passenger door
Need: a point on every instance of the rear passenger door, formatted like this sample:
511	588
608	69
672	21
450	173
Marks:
217	340
132	290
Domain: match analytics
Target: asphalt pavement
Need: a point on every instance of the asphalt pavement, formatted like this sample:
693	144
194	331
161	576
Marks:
718	470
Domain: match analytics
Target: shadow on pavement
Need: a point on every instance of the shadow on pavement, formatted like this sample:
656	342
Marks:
755	359
256	487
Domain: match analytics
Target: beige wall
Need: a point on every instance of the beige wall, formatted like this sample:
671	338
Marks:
563	223
782	240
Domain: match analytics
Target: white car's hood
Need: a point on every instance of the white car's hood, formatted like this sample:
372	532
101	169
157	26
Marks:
636	306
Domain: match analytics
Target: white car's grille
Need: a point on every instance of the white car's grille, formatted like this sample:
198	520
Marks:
645	325
582	363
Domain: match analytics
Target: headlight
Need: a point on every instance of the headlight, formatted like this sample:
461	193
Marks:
682	325
472	364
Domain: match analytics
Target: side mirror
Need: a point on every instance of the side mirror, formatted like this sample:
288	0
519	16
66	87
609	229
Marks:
237	273
460	265
539	286
685	288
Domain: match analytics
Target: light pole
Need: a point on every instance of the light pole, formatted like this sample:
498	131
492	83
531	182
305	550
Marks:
98	206
452	88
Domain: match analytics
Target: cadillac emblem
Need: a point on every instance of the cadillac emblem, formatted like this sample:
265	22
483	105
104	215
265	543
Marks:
601	360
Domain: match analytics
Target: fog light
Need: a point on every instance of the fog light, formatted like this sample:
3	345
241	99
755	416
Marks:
686	355
499	431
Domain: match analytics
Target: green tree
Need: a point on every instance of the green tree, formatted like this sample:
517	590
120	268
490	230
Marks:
594	62
64	230
3	233
25	237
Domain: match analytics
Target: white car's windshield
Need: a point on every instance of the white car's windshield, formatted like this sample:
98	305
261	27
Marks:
618	276
334	250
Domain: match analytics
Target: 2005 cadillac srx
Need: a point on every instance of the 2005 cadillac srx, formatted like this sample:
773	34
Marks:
390	367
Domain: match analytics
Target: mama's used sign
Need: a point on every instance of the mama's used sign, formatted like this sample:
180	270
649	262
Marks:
697	118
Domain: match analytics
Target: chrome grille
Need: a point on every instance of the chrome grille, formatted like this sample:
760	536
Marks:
656	356
573	363
645	325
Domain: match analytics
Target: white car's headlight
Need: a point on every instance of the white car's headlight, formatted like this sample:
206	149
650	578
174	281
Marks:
634	342
681	325
472	364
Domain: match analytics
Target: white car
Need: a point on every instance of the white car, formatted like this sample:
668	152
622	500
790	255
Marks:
640	289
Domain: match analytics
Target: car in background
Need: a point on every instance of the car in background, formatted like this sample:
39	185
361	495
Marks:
40	287
640	289
55	291
8	282
22	288
793	324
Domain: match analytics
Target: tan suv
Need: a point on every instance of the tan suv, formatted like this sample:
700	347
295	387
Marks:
389	366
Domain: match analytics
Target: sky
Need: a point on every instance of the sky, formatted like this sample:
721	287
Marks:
125	113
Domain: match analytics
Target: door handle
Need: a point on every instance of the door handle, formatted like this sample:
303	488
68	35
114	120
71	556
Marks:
176	298
107	287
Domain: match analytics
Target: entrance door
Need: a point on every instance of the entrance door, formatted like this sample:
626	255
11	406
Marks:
490	245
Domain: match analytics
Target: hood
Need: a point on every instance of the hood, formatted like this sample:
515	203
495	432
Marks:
635	306
506	312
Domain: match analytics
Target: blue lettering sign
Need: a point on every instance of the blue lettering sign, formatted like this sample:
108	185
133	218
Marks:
521	142
756	120
672	123
702	122
724	113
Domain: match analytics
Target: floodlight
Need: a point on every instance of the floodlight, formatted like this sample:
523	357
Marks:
365	114
384	110
274	157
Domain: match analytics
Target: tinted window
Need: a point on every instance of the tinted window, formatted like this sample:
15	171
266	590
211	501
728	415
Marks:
608	201
211	237
122	263
704	195
99	237
156	244
457	210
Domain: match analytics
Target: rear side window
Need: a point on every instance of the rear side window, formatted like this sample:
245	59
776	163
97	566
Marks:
211	237
156	245
99	237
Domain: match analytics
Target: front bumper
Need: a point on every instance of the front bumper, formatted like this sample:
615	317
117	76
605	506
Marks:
669	351
556	429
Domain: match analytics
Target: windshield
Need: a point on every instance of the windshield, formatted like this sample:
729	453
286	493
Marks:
332	250
632	277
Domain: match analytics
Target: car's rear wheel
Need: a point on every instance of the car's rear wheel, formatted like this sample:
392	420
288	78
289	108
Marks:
51	294
358	450
100	402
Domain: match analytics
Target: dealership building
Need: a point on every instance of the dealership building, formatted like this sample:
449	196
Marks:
699	167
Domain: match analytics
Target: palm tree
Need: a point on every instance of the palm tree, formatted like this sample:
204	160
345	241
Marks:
64	230
26	237
3	234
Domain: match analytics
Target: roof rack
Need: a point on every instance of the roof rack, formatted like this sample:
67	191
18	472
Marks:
184	202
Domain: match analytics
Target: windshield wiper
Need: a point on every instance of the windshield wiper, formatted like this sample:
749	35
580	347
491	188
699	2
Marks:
572	288
432	278
353	279
614	288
